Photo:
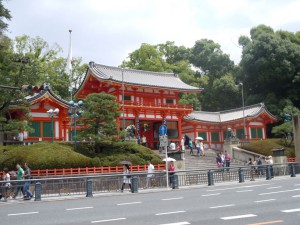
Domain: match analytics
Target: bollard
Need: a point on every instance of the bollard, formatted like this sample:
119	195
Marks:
241	176
38	191
89	188
210	177
268	173
175	182
292	169
135	184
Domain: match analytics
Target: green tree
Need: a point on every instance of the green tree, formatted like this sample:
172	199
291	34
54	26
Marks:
100	111
271	67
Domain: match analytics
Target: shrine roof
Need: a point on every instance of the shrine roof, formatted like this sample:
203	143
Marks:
140	77
42	93
251	111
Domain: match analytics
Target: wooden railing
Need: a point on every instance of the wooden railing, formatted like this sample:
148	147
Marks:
149	104
91	170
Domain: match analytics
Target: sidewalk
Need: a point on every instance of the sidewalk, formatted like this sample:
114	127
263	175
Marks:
19	200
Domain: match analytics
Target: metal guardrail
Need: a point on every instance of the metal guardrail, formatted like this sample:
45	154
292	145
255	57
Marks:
89	185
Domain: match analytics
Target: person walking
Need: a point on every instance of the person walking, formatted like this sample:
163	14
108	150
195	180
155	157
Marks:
198	147
227	160
4	192
150	174
191	147
27	175
219	160
202	148
126	178
171	174
20	176
260	171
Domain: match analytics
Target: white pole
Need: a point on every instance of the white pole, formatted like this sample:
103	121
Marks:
167	170
244	120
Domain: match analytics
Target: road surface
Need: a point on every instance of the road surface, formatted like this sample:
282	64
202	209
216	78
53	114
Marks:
252	203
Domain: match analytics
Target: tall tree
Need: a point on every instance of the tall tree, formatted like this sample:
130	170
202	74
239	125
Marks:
271	67
100	111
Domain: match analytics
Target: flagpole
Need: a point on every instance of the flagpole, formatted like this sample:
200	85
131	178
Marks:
69	72
69	65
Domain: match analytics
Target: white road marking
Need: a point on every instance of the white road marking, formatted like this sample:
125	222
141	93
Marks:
244	191
179	223
274	187
89	207
221	206
266	200
169	199
210	195
290	210
232	188
238	217
19	214
168	213
129	203
277	192
296	196
109	220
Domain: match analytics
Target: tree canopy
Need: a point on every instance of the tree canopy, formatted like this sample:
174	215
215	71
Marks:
100	111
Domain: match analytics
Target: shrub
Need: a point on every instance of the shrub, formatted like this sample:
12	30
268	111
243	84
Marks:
44	156
265	147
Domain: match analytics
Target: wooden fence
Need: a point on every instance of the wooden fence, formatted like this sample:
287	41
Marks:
92	170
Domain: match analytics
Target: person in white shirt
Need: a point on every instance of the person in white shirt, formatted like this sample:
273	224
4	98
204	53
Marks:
6	185
182	144
150	174
172	146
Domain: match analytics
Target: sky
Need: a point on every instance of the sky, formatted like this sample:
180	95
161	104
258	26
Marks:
106	31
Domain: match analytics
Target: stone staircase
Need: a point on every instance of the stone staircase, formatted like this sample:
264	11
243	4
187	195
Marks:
205	162
202	162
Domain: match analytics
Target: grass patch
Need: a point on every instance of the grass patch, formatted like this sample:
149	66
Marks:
265	147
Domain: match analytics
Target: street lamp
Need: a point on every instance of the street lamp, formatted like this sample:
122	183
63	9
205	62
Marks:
75	112
52	113
243	103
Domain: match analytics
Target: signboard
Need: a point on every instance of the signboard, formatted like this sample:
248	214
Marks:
163	141
163	130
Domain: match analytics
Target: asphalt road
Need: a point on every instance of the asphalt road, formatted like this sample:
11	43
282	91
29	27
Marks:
253	203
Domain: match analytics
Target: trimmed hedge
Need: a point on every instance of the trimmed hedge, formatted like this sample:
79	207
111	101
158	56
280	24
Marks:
44	155
114	152
265	147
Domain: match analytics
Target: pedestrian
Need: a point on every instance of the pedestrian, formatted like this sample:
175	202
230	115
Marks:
172	146
20	177
260	171
202	148
227	160
171	174
222	158
144	141
27	177
219	160
269	161
6	186
126	178
198	147
150	174
191	147
252	169
182	144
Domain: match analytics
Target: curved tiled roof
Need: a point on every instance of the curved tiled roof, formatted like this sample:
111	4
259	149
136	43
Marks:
229	115
140	77
31	98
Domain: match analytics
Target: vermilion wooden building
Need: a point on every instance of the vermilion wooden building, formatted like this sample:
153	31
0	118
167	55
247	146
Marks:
150	99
